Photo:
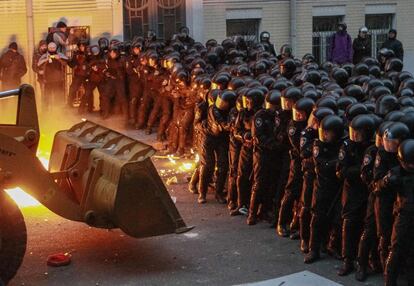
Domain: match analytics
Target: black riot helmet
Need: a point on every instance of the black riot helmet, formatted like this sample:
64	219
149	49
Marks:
361	69
394	135
103	44
349	68
331	129
308	58
273	99
253	100
344	101
407	92
265	37
394	115
406	101
406	155
384	54
212	96
220	81
281	85
340	76
380	132
268	82
371	84
302	109
236	83
375	71
377	92
317	115
226	100
385	104
394	64
369	61
286	51
362	128
313	76
354	91
211	43
311	93
354	110
327	101
289	97
288	68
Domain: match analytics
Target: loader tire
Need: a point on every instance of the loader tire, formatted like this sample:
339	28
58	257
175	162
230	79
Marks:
13	238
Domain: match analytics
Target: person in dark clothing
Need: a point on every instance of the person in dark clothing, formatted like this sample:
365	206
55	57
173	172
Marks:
340	48
354	191
78	63
327	188
95	70
308	136
53	64
385	160
114	84
214	148
393	44
243	133
288	214
368	244
39	52
265	41
361	46
134	82
401	179
12	68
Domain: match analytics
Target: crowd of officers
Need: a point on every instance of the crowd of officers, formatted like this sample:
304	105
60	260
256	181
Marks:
322	152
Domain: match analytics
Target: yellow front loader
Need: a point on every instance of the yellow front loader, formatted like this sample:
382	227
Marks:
96	176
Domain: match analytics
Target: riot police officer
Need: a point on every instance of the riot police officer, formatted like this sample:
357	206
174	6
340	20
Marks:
300	113
385	160
326	194
354	191
401	179
308	136
214	147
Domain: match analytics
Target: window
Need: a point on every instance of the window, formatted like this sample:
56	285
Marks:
323	28
378	26
248	28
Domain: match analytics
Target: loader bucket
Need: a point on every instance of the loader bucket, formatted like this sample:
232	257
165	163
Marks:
114	180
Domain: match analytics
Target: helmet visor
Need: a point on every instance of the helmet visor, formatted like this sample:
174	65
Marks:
356	135
378	141
287	104
221	104
298	115
391	145
326	136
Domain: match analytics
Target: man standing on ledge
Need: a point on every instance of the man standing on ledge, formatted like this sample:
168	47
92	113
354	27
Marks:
340	49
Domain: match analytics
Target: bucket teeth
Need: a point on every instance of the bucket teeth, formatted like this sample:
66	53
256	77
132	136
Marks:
117	184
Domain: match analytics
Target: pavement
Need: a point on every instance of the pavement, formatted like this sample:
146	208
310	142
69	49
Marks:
220	250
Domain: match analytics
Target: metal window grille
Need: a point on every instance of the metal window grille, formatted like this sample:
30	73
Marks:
247	28
323	28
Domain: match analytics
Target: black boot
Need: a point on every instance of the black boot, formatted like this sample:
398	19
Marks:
283	231
346	268
252	217
361	273
220	198
312	257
